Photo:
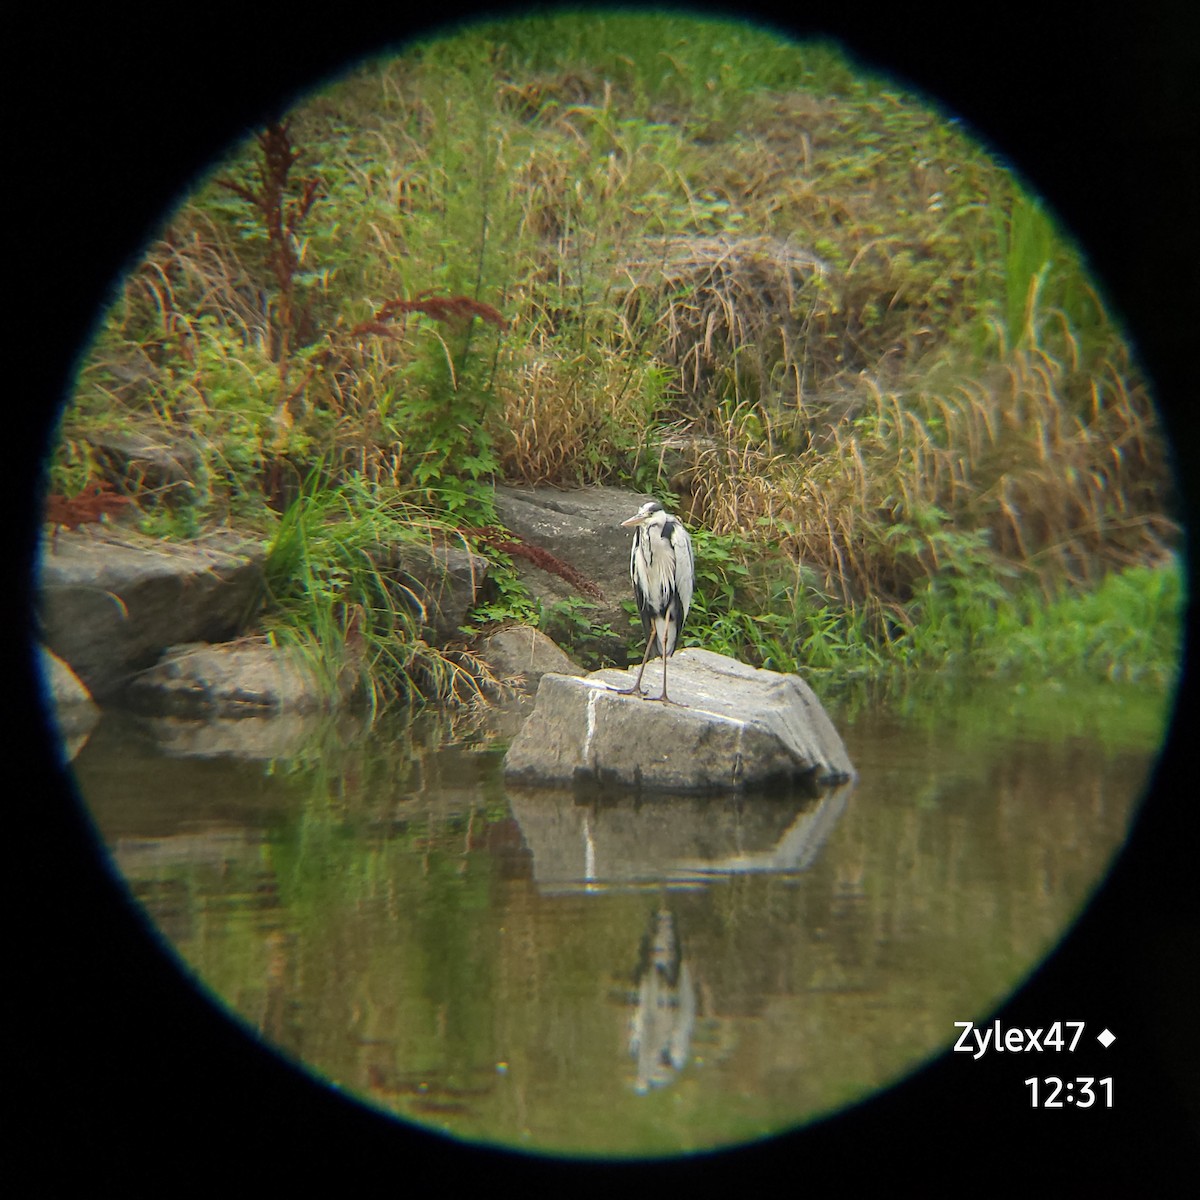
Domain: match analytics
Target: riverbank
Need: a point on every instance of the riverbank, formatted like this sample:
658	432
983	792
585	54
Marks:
685	258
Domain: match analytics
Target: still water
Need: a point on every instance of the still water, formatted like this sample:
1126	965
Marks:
612	976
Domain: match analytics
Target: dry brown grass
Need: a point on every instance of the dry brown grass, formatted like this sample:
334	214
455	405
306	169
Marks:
1061	491
742	311
565	421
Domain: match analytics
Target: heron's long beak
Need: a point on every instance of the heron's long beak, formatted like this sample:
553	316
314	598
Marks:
634	520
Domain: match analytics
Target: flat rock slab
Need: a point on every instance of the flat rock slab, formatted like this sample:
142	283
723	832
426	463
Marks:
737	728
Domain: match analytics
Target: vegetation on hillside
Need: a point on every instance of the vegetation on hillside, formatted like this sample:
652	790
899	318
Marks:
681	255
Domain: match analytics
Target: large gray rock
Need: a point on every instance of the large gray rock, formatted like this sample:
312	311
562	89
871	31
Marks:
150	464
526	654
742	728
446	581
111	601
581	528
235	679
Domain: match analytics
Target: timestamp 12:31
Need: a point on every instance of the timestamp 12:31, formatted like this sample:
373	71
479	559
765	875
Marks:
1083	1092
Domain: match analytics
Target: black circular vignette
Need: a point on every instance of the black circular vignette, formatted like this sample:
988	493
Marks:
124	1064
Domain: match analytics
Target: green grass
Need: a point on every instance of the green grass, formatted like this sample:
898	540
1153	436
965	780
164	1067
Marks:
339	594
1129	629
963	623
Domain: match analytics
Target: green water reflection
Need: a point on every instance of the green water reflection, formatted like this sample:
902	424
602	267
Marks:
379	908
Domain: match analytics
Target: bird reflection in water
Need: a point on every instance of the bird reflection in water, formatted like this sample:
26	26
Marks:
660	1028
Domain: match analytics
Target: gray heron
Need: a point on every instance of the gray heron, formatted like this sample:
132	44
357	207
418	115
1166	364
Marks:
663	571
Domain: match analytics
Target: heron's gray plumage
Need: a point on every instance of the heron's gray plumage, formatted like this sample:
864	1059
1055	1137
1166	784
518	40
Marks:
662	567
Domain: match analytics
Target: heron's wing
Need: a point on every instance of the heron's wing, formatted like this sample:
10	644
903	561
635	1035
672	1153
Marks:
637	559
635	575
685	565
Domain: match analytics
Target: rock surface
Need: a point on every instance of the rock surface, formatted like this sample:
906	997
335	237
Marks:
111	601
581	528
237	679
67	699
525	653
742	728
149	464
445	580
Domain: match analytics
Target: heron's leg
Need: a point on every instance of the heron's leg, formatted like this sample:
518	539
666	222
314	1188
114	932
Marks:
637	687
664	697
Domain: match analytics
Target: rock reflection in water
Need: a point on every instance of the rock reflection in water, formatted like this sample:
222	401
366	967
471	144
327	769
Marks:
672	840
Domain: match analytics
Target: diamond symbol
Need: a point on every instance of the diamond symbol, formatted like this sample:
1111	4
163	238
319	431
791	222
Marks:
1106	1039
